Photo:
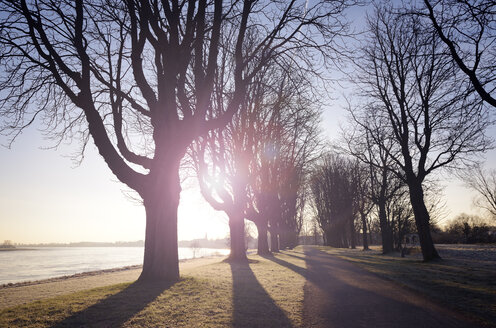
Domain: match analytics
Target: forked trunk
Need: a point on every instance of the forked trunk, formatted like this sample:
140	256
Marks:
422	219
263	243
237	235
161	253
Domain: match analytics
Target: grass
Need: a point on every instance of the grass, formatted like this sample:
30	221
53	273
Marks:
266	292
217	295
464	283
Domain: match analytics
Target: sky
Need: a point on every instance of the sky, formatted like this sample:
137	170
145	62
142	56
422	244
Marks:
45	198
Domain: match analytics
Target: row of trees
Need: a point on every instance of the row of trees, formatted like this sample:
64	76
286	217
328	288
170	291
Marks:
415	114
228	84
147	79
466	229
350	197
255	168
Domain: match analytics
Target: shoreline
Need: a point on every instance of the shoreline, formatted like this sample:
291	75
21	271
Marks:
91	273
27	292
70	276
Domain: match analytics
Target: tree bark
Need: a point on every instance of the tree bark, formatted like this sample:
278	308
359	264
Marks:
364	232
352	233
386	232
161	201
263	243
237	236
274	240
422	219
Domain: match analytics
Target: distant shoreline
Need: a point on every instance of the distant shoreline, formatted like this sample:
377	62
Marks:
17	249
195	243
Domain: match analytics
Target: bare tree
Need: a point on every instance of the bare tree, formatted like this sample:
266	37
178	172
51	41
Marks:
468	28
287	144
137	76
432	118
333	199
401	216
363	198
375	150
254	168
484	183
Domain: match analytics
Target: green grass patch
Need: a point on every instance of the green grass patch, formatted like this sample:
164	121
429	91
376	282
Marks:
467	285
256	294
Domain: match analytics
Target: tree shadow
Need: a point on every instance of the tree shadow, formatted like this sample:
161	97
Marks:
116	309
252	305
339	294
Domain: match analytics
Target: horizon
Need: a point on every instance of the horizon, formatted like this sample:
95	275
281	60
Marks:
56	201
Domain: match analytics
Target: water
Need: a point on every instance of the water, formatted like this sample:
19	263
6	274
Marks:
48	262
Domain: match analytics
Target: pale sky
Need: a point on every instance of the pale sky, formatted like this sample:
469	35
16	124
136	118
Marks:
45	198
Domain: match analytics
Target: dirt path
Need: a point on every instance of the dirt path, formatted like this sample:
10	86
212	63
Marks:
21	294
341	294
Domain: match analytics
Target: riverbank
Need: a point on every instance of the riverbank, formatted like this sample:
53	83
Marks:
49	262
26	292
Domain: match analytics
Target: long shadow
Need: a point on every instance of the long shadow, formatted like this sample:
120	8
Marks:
252	305
116	309
339	294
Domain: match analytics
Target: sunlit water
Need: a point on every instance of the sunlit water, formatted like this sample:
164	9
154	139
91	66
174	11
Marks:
49	262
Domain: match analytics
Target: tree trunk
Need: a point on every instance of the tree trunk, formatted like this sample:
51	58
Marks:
237	235
422	218
386	233
364	232
352	233
161	201
263	243
274	240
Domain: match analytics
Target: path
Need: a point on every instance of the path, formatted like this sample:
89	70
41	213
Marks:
341	294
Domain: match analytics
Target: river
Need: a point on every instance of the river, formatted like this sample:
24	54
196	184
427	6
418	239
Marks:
48	262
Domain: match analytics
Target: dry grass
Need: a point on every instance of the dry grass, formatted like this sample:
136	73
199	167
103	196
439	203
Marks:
216	295
464	280
266	292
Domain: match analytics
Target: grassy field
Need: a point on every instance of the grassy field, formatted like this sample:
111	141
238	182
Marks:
216	295
464	280
235	294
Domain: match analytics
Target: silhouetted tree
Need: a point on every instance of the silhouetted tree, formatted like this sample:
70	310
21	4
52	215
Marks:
375	150
484	183
285	142
137	76
468	28
363	198
254	168
431	115
333	199
401	216
468	229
